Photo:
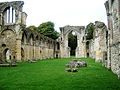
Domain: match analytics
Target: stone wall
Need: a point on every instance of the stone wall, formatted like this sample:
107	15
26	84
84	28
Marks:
37	46
113	15
16	41
91	49
98	45
63	39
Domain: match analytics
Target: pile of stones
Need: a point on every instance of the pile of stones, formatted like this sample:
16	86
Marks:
32	61
74	65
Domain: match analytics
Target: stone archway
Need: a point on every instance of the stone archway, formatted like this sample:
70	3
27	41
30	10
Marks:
64	49
7	55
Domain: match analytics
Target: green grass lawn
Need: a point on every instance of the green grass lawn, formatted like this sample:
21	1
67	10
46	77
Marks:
51	75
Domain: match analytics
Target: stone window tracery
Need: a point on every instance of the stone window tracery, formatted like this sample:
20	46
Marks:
9	15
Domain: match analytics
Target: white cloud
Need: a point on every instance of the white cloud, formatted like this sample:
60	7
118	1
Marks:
64	12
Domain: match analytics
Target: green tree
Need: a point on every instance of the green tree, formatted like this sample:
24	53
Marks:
47	29
89	31
32	27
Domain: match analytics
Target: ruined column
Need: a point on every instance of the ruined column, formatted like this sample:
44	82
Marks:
108	38
18	49
78	48
100	41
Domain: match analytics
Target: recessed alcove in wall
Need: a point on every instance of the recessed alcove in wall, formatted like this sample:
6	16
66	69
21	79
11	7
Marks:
3	45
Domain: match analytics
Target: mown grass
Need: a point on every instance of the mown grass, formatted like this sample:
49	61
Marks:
51	75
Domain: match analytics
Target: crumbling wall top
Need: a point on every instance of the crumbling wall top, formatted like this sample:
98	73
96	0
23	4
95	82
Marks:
15	4
99	24
66	29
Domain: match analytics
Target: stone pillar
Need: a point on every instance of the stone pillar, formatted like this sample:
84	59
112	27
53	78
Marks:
85	50
67	49
27	52
1	19
24	16
18	49
79	48
34	50
107	6
77	52
18	20
62	50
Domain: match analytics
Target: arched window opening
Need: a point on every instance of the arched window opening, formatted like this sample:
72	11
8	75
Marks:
37	40
58	46
9	15
72	43
24	39
22	54
7	54
31	39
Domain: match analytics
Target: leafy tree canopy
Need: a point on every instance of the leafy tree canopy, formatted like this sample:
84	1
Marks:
47	29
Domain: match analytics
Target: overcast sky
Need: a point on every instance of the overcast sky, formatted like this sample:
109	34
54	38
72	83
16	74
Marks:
64	12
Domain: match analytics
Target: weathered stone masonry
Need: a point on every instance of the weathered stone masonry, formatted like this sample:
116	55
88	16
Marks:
63	39
16	41
98	45
113	16
105	45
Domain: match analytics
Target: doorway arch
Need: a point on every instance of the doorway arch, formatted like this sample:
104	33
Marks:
72	43
64	48
7	55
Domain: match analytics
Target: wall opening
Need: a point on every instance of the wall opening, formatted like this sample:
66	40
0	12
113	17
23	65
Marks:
87	48
7	55
58	46
72	43
31	39
24	39
9	15
22	54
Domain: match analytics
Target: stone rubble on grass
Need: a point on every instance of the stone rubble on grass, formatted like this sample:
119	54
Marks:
32	61
8	63
74	65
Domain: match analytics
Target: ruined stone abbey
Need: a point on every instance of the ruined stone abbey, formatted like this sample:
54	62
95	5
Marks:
18	43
